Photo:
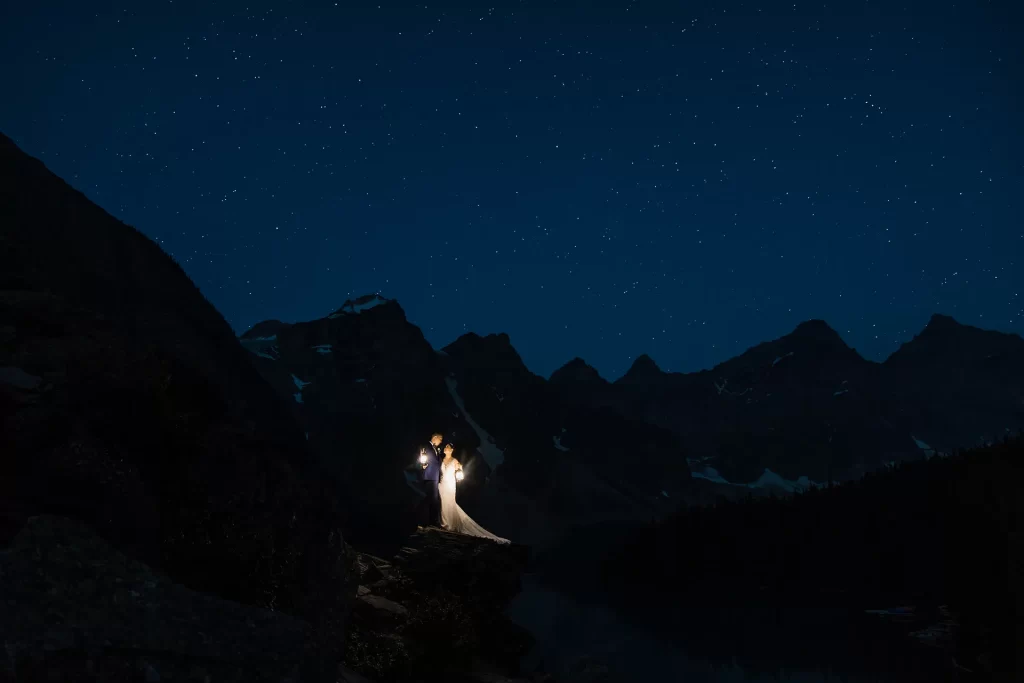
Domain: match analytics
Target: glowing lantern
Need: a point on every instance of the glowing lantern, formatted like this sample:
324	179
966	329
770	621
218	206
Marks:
459	476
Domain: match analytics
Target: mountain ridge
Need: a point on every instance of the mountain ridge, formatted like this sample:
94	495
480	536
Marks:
371	384
762	410
819	329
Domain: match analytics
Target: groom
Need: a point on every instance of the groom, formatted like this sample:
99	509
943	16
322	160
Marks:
430	462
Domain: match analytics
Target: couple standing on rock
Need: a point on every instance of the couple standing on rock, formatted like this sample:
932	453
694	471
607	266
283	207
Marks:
440	478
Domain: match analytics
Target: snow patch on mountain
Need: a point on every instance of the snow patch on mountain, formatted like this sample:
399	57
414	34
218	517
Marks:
841	392
492	455
263	347
723	389
779	359
767	480
322	348
300	384
358	306
711	474
770	479
558	443
928	450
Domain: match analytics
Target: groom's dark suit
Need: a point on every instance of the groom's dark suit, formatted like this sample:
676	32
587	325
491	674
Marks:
431	477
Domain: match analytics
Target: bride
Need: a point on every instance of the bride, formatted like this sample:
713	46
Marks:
452	516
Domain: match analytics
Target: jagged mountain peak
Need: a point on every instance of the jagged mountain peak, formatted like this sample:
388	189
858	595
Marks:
472	341
576	370
365	303
810	339
264	330
812	346
643	369
947	325
944	340
495	338
941	321
491	350
817	330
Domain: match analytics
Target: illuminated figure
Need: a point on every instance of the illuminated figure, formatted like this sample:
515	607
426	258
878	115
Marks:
453	517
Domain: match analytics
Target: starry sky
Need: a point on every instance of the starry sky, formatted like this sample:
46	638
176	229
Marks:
683	179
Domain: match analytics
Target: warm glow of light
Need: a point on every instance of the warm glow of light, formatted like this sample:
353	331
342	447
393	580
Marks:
423	458
459	475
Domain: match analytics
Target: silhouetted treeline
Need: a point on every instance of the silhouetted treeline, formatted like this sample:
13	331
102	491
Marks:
942	531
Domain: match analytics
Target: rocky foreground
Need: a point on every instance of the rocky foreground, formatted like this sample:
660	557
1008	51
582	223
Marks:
72	607
437	610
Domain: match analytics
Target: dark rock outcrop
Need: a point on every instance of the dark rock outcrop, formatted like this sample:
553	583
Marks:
127	403
436	611
74	608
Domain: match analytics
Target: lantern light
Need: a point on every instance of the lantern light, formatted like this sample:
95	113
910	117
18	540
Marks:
459	475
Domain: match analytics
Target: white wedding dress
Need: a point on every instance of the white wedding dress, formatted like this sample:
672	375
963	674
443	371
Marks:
451	514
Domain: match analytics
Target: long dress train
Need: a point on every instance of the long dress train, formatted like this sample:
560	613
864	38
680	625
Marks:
451	514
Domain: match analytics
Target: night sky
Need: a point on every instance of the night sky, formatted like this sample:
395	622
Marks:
598	180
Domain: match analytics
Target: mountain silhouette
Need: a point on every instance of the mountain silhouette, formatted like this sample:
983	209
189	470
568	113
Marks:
577	371
956	384
643	371
801	408
369	389
154	460
127	403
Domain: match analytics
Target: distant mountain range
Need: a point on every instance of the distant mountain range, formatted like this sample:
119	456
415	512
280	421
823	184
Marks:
547	455
369	389
808	405
352	395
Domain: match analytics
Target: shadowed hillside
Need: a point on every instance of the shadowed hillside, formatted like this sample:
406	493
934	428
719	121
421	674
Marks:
127	403
945	531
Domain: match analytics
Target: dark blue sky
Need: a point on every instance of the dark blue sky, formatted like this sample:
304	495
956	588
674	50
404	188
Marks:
600	180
